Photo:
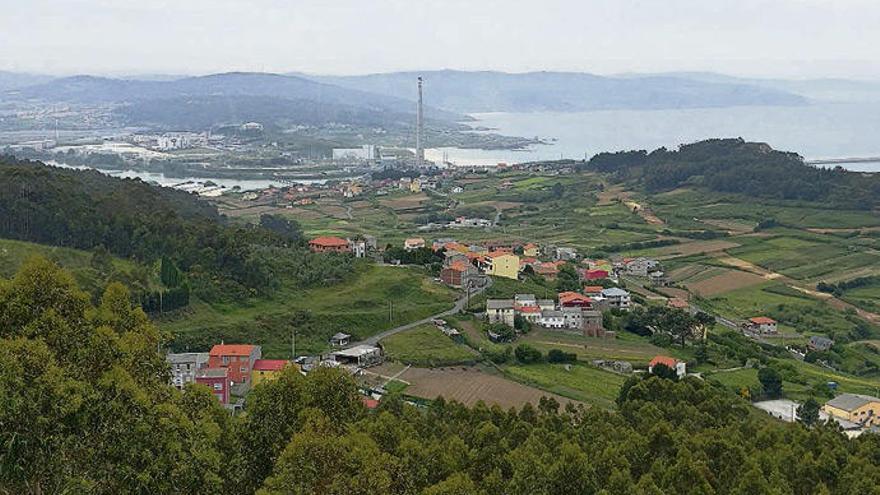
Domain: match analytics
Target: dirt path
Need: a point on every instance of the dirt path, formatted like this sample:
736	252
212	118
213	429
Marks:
833	301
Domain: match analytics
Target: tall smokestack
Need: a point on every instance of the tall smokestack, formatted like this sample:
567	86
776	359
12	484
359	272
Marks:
420	131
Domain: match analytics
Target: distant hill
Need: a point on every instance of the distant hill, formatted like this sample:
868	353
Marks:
232	86
14	80
737	166
201	112
468	92
816	89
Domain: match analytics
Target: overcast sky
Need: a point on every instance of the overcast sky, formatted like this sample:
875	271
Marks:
791	38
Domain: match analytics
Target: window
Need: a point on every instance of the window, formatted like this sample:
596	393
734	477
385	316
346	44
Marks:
244	369
218	386
225	359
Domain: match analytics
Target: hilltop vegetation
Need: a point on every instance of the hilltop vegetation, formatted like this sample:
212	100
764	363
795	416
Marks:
735	166
99	417
133	220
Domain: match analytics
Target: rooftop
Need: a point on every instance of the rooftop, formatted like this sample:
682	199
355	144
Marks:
270	364
212	373
329	241
358	351
499	304
614	292
186	357
665	360
762	320
849	402
232	350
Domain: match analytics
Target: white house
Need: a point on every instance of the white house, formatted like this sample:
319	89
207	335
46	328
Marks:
616	298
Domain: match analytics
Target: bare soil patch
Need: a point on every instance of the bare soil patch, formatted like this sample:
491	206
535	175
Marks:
696	247
469	385
726	282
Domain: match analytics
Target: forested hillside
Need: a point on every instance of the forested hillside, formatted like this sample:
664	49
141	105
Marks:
87	409
131	219
736	166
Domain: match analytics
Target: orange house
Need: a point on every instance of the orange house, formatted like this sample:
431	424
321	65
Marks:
238	359
329	245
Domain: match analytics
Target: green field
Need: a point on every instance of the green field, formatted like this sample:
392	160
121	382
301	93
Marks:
375	298
426	345
580	382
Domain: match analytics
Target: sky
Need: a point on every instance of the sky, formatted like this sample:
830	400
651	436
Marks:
765	38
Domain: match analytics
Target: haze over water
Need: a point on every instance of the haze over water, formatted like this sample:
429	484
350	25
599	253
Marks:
823	130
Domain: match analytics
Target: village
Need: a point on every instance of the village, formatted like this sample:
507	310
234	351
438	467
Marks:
601	292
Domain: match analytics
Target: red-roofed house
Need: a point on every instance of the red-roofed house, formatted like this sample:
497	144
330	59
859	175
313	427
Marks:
267	369
574	300
671	363
762	324
594	274
239	359
329	245
458	273
593	289
370	403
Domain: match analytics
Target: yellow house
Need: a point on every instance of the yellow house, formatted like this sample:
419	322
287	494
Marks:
415	186
503	264
855	408
267	369
531	250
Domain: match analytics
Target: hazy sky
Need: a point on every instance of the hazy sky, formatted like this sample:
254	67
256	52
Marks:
802	38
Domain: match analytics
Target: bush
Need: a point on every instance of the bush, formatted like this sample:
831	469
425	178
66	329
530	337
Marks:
527	354
558	356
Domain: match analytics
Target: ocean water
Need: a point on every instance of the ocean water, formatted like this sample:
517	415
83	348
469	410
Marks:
824	130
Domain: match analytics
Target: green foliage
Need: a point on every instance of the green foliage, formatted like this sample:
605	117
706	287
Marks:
527	354
735	166
771	382
558	356
808	412
568	279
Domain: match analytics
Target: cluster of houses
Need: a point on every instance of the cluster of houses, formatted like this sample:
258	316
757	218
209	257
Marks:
571	311
232	369
224	369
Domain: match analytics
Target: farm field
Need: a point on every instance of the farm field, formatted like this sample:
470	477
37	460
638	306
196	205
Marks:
579	382
470	385
627	347
426	345
374	299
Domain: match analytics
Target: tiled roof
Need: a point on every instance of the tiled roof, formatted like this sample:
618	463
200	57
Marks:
762	320
328	241
665	360
270	364
232	350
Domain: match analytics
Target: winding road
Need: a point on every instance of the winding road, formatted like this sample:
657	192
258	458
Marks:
459	305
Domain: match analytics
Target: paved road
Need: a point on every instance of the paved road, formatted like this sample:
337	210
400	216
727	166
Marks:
459	305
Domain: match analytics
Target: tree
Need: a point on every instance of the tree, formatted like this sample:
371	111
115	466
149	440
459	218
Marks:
808	412
568	279
771	382
527	354
663	371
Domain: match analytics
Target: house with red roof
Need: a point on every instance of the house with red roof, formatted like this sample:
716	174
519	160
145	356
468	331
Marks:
761	324
593	289
238	359
594	274
571	299
674	364
328	244
458	273
268	369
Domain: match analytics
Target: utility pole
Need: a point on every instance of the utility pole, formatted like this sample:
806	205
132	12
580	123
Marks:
293	343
